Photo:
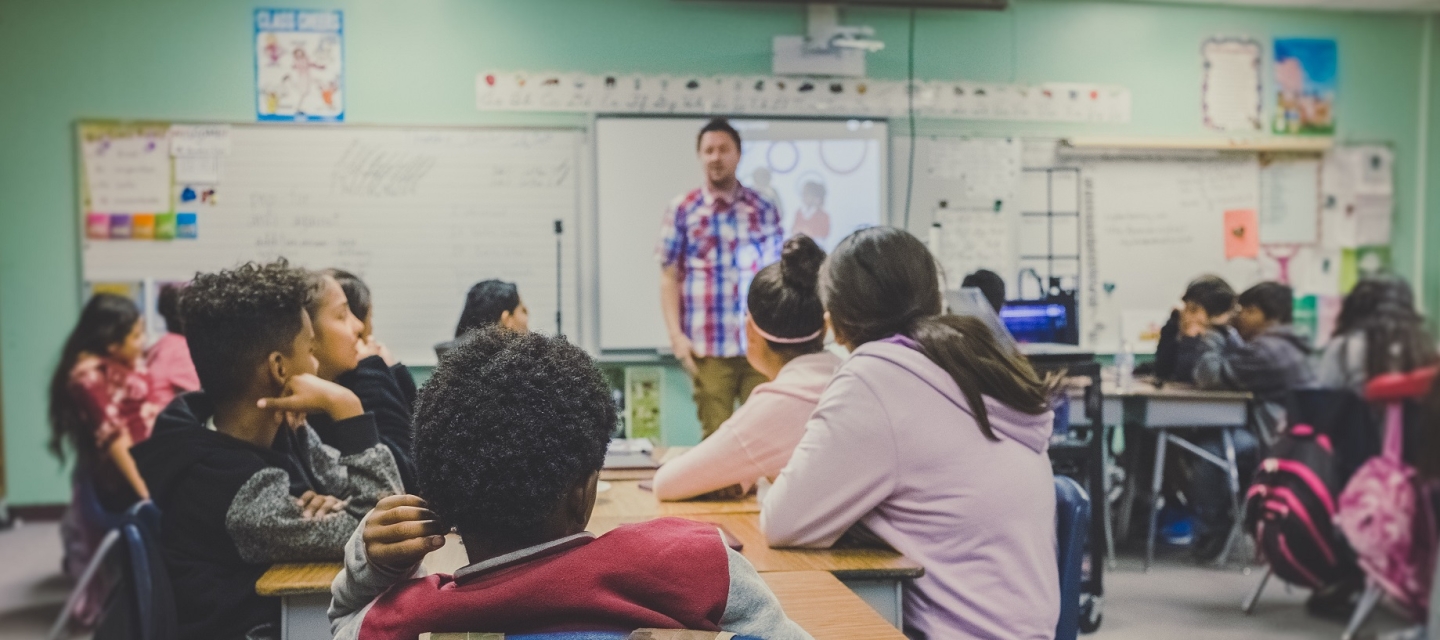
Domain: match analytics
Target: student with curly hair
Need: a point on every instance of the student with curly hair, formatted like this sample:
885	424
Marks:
785	329
241	479
510	435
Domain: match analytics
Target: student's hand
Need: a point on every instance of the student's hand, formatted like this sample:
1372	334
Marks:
1193	321
685	353
305	393
400	531
314	506
369	346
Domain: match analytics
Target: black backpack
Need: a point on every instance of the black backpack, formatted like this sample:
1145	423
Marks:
1290	507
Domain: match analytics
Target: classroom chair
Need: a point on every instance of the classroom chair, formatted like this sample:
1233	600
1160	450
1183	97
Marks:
142	605
1072	524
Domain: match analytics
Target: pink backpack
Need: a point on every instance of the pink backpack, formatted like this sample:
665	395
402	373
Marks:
1386	512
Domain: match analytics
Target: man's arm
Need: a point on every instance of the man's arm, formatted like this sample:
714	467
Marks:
670	306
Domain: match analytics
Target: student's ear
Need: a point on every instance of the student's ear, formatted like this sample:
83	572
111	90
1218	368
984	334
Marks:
581	502
507	319
277	370
835	331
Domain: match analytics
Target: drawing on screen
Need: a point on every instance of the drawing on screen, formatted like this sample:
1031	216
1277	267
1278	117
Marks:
834	181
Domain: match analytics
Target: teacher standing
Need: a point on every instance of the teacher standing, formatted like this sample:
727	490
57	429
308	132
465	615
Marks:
712	242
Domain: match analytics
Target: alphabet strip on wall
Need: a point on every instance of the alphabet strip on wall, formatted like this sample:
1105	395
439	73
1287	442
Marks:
797	96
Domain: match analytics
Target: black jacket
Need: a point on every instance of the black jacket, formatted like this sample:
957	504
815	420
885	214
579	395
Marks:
381	392
229	511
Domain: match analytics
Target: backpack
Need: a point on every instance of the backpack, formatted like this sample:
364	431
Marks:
1290	510
1386	513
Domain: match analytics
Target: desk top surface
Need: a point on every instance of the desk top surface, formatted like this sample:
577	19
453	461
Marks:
626	499
1173	391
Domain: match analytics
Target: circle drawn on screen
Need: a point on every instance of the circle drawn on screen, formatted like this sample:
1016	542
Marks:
790	155
859	161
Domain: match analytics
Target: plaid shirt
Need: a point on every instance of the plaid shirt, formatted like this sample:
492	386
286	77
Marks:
719	243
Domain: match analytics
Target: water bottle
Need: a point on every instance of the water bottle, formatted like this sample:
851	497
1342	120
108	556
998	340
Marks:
1125	367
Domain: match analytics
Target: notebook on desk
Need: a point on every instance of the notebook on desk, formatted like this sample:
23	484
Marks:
632	453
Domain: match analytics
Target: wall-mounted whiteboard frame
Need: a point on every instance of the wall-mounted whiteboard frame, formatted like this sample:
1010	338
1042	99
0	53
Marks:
573	202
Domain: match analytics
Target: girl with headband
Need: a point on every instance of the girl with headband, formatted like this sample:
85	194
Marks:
785	331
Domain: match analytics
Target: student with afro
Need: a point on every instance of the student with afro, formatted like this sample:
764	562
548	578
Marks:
510	435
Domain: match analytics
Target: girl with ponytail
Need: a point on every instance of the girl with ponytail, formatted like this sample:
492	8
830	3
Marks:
785	331
933	437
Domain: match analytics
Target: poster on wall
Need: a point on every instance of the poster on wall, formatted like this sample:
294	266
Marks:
1230	94
1305	85
299	65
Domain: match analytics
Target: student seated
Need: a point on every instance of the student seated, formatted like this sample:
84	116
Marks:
1261	354
1207	306
171	371
357	295
489	302
1378	331
785	331
990	284
101	404
510	436
933	438
241	482
357	362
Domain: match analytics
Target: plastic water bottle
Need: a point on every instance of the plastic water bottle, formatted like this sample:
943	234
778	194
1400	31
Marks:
1125	367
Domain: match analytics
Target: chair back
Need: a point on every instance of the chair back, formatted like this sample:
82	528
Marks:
1072	526
143	604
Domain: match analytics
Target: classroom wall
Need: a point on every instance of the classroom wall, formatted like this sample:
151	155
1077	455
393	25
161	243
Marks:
415	63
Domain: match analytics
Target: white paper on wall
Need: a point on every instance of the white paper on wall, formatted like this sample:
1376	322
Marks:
1230	91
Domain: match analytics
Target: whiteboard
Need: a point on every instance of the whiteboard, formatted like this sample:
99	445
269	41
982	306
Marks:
1151	226
420	214
644	164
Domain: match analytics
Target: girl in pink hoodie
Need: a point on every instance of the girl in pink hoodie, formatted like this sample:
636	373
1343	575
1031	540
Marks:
785	333
933	437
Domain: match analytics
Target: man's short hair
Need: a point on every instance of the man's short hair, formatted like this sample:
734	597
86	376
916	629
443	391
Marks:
1212	293
235	318
990	284
718	124
506	426
1275	300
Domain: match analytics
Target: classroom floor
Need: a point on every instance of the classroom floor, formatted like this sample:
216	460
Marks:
1177	599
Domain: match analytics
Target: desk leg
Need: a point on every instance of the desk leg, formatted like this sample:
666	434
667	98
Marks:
304	617
1161	438
1232	474
885	596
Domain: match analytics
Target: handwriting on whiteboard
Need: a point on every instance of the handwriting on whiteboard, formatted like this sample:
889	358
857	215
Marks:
371	171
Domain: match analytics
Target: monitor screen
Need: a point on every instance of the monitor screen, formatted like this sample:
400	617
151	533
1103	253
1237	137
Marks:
1038	321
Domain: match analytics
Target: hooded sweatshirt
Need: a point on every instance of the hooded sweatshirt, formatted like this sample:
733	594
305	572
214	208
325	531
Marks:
893	445
757	441
1269	365
230	512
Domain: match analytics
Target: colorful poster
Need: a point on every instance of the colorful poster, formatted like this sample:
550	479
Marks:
1242	234
299	65
1305	85
127	169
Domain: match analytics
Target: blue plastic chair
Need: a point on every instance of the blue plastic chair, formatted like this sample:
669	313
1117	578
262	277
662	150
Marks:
142	604
1072	527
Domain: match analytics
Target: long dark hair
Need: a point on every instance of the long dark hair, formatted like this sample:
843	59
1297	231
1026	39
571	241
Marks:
1383	308
784	301
106	320
882	281
485	303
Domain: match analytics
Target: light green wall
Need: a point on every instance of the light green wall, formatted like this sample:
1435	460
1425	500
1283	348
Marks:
414	62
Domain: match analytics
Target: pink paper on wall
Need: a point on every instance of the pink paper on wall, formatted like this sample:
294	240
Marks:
1242	234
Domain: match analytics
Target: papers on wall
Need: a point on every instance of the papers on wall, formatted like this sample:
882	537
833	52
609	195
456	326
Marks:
1290	201
764	95
985	171
1231	94
1305	85
972	239
299	65
1242	234
127	170
1358	196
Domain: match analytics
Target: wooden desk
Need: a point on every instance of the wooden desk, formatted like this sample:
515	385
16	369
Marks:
626	499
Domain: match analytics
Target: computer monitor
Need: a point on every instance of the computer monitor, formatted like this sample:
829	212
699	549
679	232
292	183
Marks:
1050	321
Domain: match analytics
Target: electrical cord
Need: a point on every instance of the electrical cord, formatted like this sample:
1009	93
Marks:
910	109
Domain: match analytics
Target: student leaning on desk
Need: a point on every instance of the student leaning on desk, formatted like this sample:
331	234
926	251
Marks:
510	436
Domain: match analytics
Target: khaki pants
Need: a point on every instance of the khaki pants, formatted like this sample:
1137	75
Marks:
719	384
